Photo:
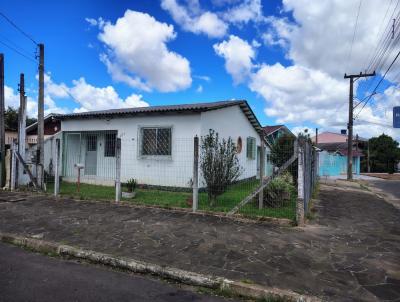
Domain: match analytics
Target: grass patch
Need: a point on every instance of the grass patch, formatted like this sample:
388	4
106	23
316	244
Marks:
170	199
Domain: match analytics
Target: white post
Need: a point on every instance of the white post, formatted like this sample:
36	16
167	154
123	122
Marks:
118	170
300	184
196	174
13	165
57	169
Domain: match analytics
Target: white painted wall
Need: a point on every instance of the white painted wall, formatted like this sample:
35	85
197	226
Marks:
232	122
176	170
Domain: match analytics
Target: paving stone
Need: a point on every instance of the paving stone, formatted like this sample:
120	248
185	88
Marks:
350	252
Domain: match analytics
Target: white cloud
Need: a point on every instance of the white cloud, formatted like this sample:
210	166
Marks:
297	94
199	89
248	10
100	98
238	55
317	40
11	99
192	19
204	78
138	54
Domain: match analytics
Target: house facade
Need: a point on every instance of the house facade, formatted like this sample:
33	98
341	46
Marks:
333	154
157	143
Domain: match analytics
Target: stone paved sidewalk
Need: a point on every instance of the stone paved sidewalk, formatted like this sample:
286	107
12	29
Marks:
350	252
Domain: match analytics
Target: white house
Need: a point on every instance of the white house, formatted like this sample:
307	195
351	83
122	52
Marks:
156	142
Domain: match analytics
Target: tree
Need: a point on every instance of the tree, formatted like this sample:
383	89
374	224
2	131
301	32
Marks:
219	164
11	119
384	153
282	150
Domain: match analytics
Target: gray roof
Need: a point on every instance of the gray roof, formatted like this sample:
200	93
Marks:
193	108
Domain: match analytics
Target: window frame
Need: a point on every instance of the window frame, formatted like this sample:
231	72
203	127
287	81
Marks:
251	156
140	143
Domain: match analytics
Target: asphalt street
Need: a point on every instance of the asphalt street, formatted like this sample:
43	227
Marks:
27	276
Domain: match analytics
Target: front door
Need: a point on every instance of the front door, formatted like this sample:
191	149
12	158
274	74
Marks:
91	154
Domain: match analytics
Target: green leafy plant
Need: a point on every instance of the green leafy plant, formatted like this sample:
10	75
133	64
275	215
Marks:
279	191
219	164
131	185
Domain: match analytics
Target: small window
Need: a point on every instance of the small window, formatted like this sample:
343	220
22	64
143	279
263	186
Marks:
251	148
156	141
109	146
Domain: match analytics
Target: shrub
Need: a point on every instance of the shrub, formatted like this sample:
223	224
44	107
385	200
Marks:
219	164
279	191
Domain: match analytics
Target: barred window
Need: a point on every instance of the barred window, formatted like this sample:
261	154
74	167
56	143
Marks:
251	148
109	146
155	141
91	142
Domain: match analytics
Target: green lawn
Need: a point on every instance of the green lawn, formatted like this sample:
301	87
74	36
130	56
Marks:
224	202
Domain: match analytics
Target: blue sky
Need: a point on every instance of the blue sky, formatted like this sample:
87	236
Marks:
254	52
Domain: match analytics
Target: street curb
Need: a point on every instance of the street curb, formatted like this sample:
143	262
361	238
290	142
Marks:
137	266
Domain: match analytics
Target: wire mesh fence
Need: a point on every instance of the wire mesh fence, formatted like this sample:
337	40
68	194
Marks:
157	168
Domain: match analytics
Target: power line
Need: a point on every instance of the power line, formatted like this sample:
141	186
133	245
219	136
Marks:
18	28
18	52
380	81
354	34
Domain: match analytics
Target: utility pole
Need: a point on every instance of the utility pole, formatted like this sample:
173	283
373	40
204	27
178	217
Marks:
40	128
351	77
2	126
21	128
368	166
316	137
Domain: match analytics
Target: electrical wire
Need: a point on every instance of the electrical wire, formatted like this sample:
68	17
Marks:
18	52
18	28
354	34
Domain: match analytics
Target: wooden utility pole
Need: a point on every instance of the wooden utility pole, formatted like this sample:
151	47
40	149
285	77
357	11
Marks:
2	126
21	128
40	128
350	124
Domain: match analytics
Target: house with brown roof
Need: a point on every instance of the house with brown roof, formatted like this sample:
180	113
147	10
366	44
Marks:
333	153
274	132
156	141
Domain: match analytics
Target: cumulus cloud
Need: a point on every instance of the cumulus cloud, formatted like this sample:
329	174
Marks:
238	55
311	90
248	10
137	54
298	94
192	19
99	98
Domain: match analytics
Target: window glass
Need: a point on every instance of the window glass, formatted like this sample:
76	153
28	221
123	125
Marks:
156	141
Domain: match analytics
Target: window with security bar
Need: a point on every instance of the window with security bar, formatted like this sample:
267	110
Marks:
110	143
155	141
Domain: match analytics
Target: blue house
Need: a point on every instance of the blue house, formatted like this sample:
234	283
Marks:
333	153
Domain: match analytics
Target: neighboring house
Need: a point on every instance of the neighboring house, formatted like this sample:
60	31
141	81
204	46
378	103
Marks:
10	135
273	133
156	142
51	126
333	154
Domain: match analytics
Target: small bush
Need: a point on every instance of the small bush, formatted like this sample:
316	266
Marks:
131	185
279	191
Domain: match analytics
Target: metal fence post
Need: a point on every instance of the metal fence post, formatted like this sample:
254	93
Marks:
262	166
196	174
13	174
57	169
118	170
300	184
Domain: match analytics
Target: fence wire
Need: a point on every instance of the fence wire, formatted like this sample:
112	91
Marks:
157	169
